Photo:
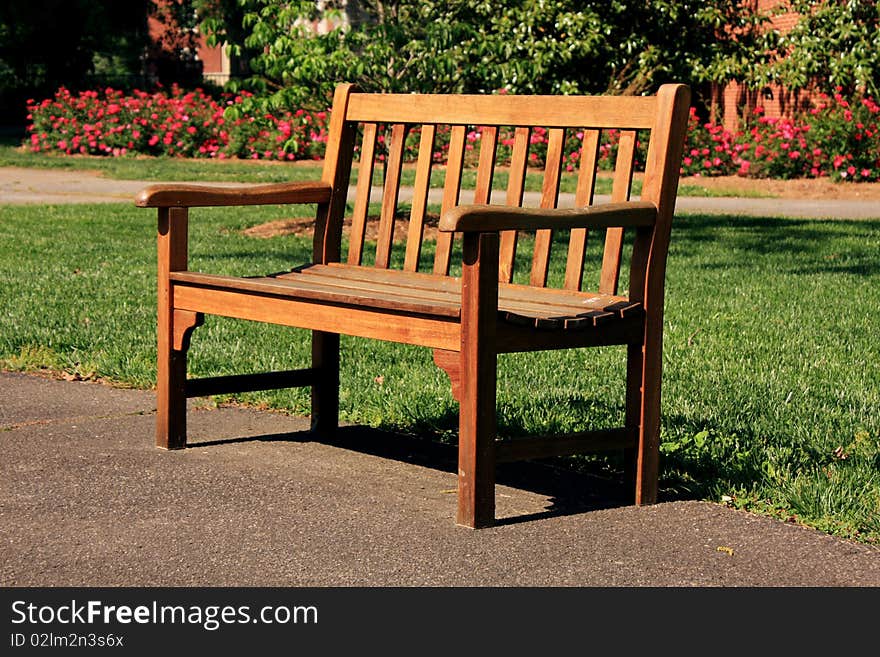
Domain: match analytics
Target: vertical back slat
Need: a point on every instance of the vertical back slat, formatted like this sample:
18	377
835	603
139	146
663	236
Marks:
549	197
420	198
623	167
486	165
515	186
577	244
327	240
389	196
623	171
451	189
362	198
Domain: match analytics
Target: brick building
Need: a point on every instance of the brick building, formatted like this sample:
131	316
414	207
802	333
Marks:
732	101
182	54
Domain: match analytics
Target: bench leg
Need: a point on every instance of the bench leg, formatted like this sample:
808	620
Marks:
476	421
476	442
173	331
325	389
477	372
634	362
171	378
643	409
171	398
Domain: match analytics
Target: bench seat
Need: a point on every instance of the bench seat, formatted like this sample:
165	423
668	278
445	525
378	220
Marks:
424	294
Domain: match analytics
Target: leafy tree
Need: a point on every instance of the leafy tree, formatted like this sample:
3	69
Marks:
523	46
48	43
836	43
171	55
222	21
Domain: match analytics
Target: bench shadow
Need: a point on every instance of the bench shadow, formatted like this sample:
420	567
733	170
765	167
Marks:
568	492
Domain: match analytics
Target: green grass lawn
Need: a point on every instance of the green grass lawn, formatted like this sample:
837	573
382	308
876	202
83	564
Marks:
771	390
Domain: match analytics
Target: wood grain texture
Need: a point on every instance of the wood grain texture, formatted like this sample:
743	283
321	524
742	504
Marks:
381	324
486	218
338	154
387	215
620	191
549	198
486	164
586	184
515	187
175	195
171	363
420	198
634	112
477	423
451	190
362	195
310	289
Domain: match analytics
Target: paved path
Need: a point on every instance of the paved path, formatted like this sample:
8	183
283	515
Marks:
85	499
28	186
19	186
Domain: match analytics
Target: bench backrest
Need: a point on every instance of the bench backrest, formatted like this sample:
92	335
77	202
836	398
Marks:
378	130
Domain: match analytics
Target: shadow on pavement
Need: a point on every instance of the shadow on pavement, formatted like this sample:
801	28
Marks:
568	492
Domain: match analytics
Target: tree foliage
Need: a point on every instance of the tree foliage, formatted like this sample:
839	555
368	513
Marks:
836	43
522	46
45	44
222	22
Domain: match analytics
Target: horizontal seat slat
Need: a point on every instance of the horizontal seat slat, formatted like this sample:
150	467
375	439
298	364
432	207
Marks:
519	310
426	294
304	289
569	299
413	279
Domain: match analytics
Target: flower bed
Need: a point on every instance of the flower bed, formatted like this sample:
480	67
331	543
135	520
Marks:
839	138
177	124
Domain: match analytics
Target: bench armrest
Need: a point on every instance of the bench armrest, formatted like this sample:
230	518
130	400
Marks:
493	218
173	195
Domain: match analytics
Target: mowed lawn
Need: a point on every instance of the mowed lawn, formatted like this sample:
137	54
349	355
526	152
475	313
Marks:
771	389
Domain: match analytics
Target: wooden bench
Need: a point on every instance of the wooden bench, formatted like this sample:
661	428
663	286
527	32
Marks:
466	320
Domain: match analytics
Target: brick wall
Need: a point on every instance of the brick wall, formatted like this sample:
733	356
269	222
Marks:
213	61
734	101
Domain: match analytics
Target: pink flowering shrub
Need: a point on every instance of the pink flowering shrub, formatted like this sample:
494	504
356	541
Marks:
777	148
295	135
710	150
838	138
178	124
846	138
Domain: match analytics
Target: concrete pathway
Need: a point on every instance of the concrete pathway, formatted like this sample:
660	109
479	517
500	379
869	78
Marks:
29	186
86	500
